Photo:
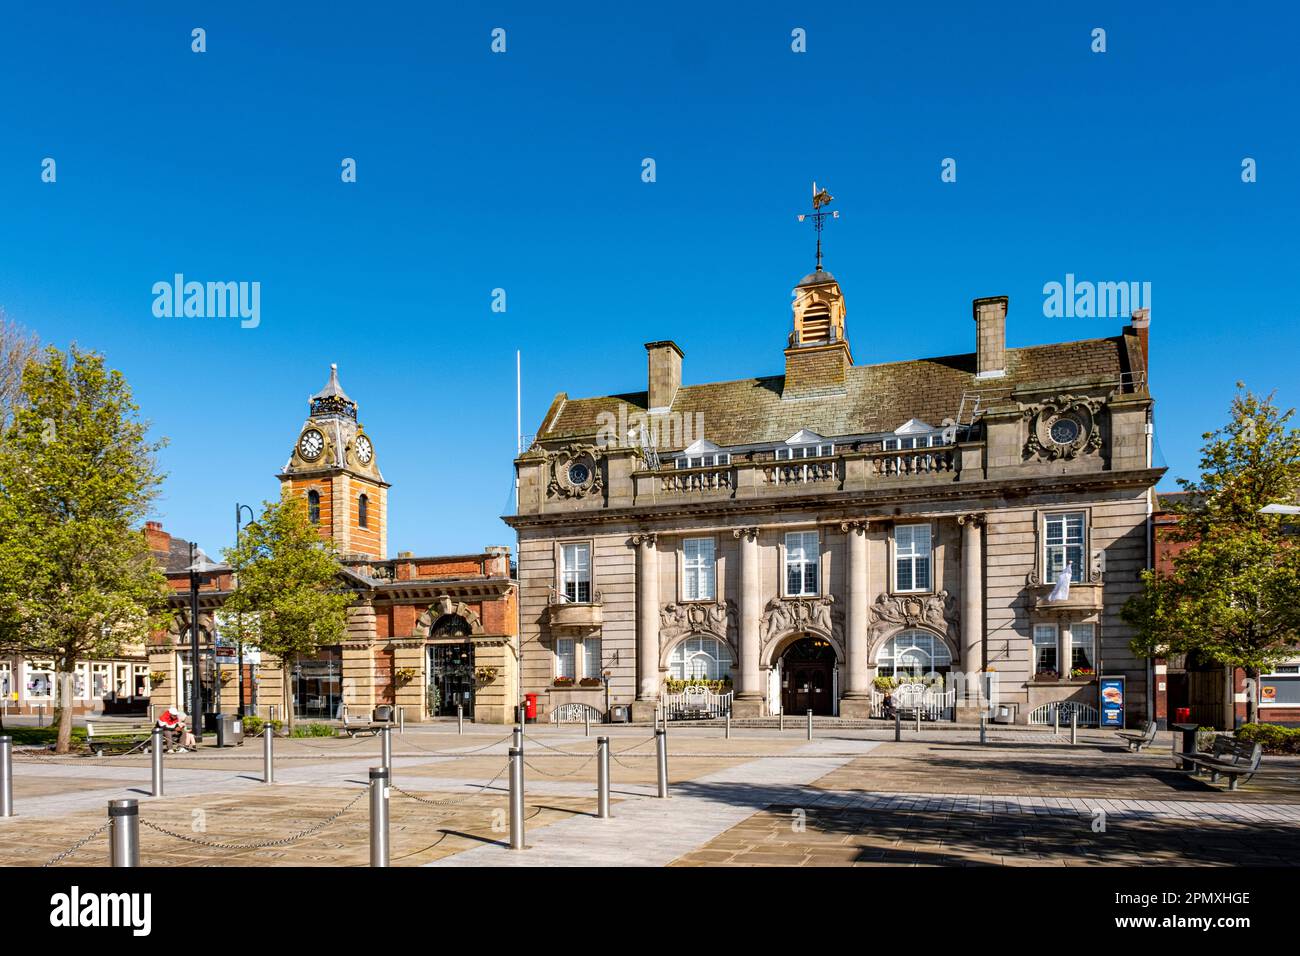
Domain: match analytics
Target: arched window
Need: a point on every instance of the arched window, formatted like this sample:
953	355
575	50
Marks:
701	657
363	510
313	507
913	654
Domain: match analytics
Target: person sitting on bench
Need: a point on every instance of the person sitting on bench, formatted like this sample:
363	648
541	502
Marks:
175	732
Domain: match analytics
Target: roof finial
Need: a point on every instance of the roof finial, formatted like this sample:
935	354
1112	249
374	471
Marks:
820	198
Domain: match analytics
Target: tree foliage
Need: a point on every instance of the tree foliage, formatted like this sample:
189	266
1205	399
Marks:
288	592
77	475
1230	594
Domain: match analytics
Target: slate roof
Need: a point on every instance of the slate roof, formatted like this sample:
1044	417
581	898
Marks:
877	398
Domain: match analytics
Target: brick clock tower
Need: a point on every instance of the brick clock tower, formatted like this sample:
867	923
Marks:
334	467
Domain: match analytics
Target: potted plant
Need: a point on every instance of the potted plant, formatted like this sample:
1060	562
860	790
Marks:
405	675
590	682
485	675
1047	675
156	678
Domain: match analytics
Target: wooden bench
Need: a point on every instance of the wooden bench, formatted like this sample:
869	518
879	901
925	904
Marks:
1136	741
101	734
381	717
1230	757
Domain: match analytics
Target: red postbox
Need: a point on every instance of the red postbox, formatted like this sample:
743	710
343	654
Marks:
530	707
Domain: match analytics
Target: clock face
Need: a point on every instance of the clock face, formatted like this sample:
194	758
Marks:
311	444
579	473
365	450
1064	431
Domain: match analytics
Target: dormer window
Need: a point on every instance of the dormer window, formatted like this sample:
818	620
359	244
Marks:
913	433
804	444
703	454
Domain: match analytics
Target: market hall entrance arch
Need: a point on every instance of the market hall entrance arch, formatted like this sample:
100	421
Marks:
808	677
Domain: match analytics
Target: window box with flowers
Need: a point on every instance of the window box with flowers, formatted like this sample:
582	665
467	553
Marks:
562	682
1047	676
591	682
1083	673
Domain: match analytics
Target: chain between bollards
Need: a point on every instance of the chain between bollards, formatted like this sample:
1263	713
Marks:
516	799
268	755
379	784
156	753
661	758
124	833
602	778
6	776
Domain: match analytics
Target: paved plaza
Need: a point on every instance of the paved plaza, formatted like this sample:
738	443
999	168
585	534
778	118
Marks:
762	797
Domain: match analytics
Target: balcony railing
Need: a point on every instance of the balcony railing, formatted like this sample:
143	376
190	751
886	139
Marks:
686	480
912	461
806	472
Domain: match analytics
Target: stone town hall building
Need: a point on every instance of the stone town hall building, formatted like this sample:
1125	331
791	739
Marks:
797	536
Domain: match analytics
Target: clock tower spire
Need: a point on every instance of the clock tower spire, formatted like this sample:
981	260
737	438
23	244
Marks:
333	466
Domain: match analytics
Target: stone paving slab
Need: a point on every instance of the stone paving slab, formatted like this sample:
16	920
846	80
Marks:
648	831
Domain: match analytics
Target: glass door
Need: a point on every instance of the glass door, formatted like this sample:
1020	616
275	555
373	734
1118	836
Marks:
451	669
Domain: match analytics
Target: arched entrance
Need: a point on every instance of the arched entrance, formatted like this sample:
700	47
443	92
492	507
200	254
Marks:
451	667
808	677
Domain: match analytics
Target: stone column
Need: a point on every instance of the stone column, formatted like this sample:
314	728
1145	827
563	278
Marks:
972	610
647	627
751	695
856	700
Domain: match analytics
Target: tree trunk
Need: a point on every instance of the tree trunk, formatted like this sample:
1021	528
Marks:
63	711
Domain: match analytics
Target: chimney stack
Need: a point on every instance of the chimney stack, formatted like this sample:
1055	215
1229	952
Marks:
1141	325
990	336
665	376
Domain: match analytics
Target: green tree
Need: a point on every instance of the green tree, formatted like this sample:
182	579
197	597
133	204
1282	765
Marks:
1231	593
77	475
287	589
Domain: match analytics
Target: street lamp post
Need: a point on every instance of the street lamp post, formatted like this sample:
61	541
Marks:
199	565
239	617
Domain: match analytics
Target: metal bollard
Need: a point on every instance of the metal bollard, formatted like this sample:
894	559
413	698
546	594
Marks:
6	776
661	753
983	738
586	723
516	799
268	755
728	725
460	719
401	720
602	778
124	833
780	719
156	752
1056	721
1074	727
518	742
918	720
387	750
810	725
898	726
379	779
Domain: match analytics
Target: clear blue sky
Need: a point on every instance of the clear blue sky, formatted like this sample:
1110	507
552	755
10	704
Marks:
523	171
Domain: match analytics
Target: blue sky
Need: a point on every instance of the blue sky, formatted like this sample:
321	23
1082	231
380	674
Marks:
522	171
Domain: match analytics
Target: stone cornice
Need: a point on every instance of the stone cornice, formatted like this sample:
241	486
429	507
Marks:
963	497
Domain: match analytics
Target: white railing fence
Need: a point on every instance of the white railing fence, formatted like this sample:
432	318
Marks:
1043	715
574	714
697	701
936	703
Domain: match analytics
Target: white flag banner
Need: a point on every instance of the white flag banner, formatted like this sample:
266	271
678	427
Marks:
1062	590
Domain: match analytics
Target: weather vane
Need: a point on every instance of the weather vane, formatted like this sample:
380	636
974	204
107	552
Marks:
821	198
